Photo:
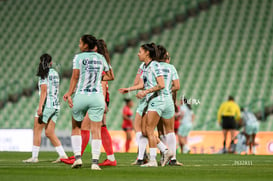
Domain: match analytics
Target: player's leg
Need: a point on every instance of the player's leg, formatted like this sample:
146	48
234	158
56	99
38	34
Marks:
143	141
107	144
247	143
50	133
170	138
95	113
152	121
253	144
225	138
232	137
128	139
85	132
76	141
96	144
37	131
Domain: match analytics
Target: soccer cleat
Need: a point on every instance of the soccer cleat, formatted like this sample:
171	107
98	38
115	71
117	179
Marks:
77	163
69	160
108	163
175	163
95	167
138	162
31	160
59	159
151	163
167	156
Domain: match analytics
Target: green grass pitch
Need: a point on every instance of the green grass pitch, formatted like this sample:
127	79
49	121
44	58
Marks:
196	167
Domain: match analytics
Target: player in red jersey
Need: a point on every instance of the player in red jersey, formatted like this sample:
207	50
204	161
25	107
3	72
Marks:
85	127
127	124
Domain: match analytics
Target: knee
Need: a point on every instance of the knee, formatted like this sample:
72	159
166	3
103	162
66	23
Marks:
48	133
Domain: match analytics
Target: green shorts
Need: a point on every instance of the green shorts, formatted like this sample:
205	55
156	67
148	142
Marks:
252	128
49	114
164	108
93	104
184	129
142	104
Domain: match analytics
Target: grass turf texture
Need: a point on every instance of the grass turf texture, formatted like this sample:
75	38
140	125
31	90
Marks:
196	167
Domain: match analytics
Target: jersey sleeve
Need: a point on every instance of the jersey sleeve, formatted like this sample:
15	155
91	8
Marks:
76	64
157	70
106	67
174	74
42	81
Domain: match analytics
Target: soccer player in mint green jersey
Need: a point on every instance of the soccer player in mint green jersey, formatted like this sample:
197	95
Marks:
172	85
87	76
152	81
48	109
251	126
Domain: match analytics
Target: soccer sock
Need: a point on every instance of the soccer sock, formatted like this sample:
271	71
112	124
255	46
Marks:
253	149
152	154
224	144
76	141
163	138
96	144
143	141
171	143
85	139
60	151
138	137
162	147
35	151
107	142
127	145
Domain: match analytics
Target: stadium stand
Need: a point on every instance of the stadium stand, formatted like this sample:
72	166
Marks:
225	50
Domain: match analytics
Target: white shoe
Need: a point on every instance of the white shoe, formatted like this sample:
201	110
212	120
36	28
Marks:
151	163
59	159
95	167
77	163
167	157
31	160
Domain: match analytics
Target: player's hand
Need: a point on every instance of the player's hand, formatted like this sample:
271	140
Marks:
141	94
70	102
40	111
123	90
65	97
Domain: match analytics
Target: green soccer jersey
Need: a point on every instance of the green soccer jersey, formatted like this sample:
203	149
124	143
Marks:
53	82
149	75
170	74
91	66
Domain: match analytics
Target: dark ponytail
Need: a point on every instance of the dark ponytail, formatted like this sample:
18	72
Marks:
162	53
102	49
44	66
152	49
90	40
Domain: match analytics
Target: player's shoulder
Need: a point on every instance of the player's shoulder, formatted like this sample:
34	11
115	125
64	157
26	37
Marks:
142	65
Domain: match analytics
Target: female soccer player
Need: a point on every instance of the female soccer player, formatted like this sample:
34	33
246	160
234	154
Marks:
185	127
48	109
101	48
127	124
152	81
87	75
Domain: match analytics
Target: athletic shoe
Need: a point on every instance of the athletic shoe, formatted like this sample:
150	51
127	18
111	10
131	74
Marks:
95	167
175	163
151	163
68	161
77	163
59	159
31	160
167	156
108	163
